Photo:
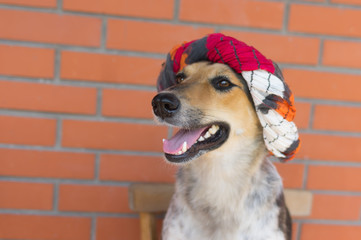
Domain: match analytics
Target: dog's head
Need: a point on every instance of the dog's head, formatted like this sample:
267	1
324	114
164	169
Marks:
211	105
216	89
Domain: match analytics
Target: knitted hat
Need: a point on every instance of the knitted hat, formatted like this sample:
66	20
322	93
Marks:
273	100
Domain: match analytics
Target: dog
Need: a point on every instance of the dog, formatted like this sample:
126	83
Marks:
226	186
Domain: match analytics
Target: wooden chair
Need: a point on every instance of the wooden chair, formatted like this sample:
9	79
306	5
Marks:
150	199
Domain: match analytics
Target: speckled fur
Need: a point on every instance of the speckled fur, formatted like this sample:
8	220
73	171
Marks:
233	192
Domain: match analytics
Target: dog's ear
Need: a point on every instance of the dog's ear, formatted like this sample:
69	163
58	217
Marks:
166	77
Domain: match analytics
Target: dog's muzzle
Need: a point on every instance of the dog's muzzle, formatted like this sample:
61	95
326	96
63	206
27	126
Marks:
165	105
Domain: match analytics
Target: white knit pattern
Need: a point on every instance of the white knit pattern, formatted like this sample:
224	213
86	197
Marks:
278	133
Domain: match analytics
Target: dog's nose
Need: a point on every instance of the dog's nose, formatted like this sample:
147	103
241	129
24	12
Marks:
165	105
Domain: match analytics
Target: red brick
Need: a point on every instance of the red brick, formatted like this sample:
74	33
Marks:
262	14
112	135
140	106
342	54
295	228
323	85
25	195
135	168
49	28
109	68
26	61
161	9
47	164
110	228
31	3
334	178
330	148
44	227
353	2
87	198
334	207
330	232
325	20
281	48
303	115
129	35
24	130
343	118
49	98
291	173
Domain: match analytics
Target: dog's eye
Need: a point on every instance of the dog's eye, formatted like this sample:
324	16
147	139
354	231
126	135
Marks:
222	83
180	77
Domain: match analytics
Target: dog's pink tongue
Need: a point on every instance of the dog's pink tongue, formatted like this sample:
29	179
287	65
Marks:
175	144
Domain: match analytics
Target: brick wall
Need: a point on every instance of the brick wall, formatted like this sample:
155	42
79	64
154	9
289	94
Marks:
76	79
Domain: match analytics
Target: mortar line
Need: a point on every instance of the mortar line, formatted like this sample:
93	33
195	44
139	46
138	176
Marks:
97	167
57	61
99	102
217	29
68	213
305	176
59	133
333	192
59	6
299	231
317	101
86	49
93	228
320	52
104	33
326	163
29	8
56	197
66	181
170	132
332	133
286	17
312	116
328	222
176	10
80	150
80	117
323	68
80	83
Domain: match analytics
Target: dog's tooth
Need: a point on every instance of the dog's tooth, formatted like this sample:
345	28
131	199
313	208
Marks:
216	127
207	135
213	129
184	148
201	139
180	152
163	140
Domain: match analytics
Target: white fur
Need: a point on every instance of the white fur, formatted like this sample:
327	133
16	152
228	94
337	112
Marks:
226	184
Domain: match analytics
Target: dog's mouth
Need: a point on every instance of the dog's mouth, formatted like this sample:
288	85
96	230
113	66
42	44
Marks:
188	144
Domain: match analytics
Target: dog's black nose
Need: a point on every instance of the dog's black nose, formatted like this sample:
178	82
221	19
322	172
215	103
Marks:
165	105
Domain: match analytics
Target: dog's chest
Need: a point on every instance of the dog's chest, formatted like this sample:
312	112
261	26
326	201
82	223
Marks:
182	223
225	210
